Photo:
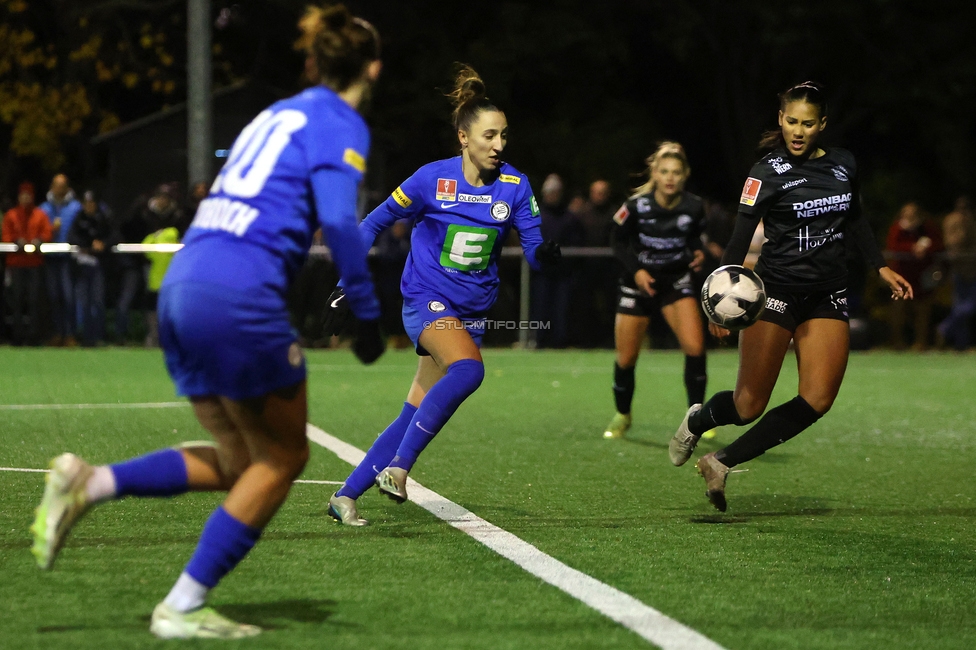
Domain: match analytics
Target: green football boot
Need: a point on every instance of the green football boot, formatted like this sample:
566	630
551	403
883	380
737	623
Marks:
618	426
65	501
203	623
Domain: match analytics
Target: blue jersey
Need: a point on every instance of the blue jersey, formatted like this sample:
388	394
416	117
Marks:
458	232
294	168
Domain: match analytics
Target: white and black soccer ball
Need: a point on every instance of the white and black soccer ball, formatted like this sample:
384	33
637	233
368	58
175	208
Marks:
733	297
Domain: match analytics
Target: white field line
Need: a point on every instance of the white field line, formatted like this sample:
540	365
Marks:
110	405
645	621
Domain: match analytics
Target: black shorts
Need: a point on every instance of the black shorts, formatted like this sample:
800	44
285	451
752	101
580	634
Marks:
668	289
789	309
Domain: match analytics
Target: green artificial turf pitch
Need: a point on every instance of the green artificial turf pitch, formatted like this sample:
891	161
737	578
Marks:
859	533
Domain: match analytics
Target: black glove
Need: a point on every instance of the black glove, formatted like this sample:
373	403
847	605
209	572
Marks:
369	344
337	314
548	254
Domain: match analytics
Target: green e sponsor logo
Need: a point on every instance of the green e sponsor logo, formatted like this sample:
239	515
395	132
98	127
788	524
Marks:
534	206
468	248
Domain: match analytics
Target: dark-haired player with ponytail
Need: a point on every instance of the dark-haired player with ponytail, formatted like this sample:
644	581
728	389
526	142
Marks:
225	330
462	209
807	197
657	239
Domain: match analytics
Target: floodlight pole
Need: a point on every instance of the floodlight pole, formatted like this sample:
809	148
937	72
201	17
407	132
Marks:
199	105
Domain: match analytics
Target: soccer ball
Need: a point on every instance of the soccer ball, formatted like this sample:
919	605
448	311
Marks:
733	297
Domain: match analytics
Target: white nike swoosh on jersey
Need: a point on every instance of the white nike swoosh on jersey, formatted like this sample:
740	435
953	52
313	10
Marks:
335	303
445	206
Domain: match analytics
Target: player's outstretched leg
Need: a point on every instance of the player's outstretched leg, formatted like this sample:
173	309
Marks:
342	505
74	486
462	378
65	501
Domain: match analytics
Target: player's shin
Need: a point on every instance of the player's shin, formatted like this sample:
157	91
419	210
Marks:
379	456
223	544
776	427
442	400
695	378
158	474
718	411
623	388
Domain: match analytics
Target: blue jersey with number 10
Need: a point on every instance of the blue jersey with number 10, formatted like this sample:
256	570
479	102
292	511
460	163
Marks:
294	168
458	232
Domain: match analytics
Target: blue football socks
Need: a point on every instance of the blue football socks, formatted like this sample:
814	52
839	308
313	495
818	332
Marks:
378	457
158	474
224	543
441	401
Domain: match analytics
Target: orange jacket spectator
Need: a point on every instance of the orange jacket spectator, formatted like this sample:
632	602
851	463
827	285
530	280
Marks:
24	224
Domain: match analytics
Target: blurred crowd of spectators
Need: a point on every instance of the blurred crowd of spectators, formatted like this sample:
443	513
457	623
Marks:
60	299
64	299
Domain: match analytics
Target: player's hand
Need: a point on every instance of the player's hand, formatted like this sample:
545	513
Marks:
337	313
645	282
369	344
900	288
718	331
548	254
697	260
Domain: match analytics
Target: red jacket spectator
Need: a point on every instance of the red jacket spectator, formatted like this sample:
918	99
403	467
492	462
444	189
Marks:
25	224
914	240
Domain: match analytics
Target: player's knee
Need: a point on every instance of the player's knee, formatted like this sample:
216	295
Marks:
295	462
749	407
627	359
467	374
820	403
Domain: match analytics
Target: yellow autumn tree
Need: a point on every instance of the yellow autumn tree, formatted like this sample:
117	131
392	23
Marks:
64	66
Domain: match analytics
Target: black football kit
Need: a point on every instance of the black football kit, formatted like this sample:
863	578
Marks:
662	242
811	213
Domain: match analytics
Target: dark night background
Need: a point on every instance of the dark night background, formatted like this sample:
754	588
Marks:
589	88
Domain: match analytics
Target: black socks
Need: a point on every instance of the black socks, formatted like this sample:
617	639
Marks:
623	388
718	411
695	379
776	427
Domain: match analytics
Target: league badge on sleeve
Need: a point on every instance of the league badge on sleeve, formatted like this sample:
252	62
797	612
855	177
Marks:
620	216
533	206
446	189
750	191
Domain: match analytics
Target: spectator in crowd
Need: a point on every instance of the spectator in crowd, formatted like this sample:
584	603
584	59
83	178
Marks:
959	237
148	216
595	299
22	225
62	208
913	241
597	214
158	264
552	287
93	233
